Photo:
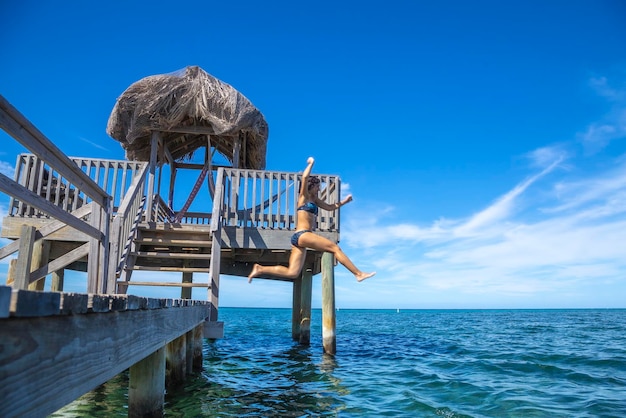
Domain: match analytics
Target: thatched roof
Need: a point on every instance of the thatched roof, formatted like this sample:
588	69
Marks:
190	101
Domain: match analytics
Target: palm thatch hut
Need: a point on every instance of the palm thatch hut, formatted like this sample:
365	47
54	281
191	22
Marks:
188	108
167	118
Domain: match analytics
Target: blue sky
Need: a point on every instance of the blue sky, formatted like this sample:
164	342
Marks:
484	142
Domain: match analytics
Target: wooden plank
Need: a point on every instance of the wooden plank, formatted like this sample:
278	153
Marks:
172	242
44	230
49	362
29	303
20	192
60	262
177	269
74	303
11	229
165	284
5	301
22	130
22	267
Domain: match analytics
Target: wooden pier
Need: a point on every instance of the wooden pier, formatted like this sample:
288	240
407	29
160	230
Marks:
106	218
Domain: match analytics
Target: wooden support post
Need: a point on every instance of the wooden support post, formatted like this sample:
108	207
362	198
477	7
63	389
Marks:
329	324
57	280
185	292
146	387
189	347
305	307
197	348
296	304
22	268
175	361
154	145
11	272
41	253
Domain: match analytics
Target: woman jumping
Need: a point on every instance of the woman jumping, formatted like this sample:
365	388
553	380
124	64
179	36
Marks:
308	203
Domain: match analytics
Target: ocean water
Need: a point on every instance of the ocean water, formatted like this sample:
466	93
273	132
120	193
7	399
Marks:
413	363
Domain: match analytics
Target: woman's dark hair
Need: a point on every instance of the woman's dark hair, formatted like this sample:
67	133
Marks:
312	182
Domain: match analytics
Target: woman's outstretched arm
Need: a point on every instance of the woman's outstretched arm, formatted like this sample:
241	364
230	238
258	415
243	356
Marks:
305	174
333	206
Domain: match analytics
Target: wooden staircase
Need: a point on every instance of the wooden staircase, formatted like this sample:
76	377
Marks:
169	247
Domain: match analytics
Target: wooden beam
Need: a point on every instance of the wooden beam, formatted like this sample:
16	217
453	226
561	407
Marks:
22	268
20	192
22	130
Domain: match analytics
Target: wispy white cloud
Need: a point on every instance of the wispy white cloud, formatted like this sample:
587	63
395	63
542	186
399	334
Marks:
7	169
574	237
613	126
94	144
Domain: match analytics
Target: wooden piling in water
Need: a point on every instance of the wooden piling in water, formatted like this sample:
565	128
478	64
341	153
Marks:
296	304
329	339
306	292
146	387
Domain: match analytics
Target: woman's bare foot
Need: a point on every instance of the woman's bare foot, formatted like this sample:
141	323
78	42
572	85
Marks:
254	273
362	276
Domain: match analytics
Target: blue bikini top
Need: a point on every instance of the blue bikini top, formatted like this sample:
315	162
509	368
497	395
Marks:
309	207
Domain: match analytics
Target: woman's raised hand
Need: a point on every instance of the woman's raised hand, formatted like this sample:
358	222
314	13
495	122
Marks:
310	160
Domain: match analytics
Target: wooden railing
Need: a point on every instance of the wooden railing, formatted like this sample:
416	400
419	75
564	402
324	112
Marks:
95	225
124	226
268	199
113	176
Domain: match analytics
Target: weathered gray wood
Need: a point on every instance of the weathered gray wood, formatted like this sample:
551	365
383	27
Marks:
213	329
74	303
22	130
184	285
58	277
20	192
329	327
30	303
185	291
196	362
22	268
41	252
5	301
59	263
45	229
296	306
146	386
176	361
189	347
154	144
94	266
306	293
40	373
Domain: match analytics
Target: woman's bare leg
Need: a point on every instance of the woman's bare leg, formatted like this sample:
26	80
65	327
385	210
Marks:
319	243
296	261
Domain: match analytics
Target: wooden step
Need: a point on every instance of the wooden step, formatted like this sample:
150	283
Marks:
167	242
170	269
167	284
175	255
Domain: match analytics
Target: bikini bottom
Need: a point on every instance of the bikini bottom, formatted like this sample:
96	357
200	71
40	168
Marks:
295	237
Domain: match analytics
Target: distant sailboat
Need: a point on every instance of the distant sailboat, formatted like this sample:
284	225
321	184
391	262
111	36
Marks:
398	310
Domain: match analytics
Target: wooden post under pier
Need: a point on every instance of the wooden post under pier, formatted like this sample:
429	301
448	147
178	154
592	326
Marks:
329	339
306	291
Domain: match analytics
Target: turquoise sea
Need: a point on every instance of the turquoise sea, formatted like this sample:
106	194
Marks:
413	363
